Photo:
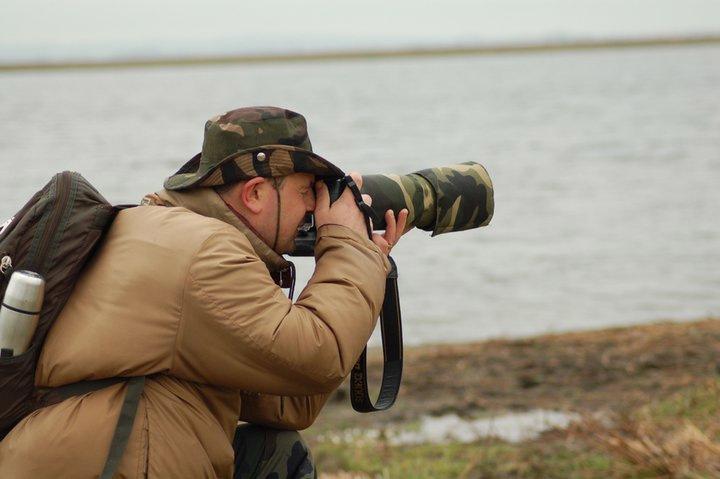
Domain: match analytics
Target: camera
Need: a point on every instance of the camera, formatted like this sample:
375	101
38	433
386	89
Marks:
441	200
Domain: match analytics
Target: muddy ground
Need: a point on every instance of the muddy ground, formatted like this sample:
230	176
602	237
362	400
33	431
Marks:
582	372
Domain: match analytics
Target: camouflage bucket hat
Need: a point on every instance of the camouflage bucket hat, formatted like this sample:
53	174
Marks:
249	142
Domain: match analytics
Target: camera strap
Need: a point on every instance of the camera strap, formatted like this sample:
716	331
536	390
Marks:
370	215
390	329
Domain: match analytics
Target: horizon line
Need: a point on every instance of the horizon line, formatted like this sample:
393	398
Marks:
488	49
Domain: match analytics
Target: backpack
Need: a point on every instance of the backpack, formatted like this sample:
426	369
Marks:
54	234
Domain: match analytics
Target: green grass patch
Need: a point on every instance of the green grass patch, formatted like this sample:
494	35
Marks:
486	459
698	404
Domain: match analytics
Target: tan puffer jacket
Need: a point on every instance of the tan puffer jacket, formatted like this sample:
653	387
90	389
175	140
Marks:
184	295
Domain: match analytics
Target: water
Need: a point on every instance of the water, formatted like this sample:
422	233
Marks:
510	427
605	166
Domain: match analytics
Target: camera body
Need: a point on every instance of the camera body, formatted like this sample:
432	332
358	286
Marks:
307	233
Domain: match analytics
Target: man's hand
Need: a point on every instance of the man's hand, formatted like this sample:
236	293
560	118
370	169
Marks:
345	212
394	229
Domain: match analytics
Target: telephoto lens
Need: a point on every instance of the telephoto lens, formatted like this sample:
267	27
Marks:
441	200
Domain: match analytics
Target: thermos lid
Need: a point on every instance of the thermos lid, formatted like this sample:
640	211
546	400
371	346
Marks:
25	292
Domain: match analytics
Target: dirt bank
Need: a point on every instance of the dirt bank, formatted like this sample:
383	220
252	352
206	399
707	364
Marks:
580	372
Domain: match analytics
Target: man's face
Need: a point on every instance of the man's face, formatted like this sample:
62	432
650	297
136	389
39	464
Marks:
297	197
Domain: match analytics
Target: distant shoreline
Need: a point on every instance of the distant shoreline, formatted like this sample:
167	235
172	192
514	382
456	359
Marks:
497	49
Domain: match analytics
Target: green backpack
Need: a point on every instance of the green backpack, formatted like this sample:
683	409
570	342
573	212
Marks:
54	235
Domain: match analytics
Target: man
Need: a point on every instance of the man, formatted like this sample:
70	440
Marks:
181	292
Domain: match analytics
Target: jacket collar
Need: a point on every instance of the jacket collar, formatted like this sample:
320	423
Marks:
206	202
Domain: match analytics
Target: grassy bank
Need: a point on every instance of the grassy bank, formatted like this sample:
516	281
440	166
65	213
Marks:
676	437
647	399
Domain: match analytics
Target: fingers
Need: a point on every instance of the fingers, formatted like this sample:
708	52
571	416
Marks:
402	221
322	196
390	227
394	228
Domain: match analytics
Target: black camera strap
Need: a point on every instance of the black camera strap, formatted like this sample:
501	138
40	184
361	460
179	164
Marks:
364	207
390	329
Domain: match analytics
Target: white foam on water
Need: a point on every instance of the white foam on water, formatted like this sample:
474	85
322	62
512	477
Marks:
510	427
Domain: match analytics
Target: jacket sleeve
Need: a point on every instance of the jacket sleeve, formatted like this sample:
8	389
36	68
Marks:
281	412
239	330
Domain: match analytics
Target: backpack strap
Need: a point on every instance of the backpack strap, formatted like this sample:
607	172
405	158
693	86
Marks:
126	419
124	426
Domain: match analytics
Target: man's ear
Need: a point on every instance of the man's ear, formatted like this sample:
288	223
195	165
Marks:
253	194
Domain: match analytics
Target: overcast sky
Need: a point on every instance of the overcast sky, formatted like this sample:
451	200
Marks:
76	29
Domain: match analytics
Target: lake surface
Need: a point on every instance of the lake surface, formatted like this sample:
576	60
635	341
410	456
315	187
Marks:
606	167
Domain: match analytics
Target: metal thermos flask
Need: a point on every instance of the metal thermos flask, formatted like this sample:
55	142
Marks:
20	312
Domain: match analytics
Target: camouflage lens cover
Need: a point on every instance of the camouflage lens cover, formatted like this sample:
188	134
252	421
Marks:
464	196
395	192
441	199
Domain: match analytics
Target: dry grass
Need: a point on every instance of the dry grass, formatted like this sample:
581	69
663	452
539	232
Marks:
655	386
684	452
672	437
677	438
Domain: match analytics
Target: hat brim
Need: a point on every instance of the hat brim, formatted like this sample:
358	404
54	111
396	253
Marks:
280	160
